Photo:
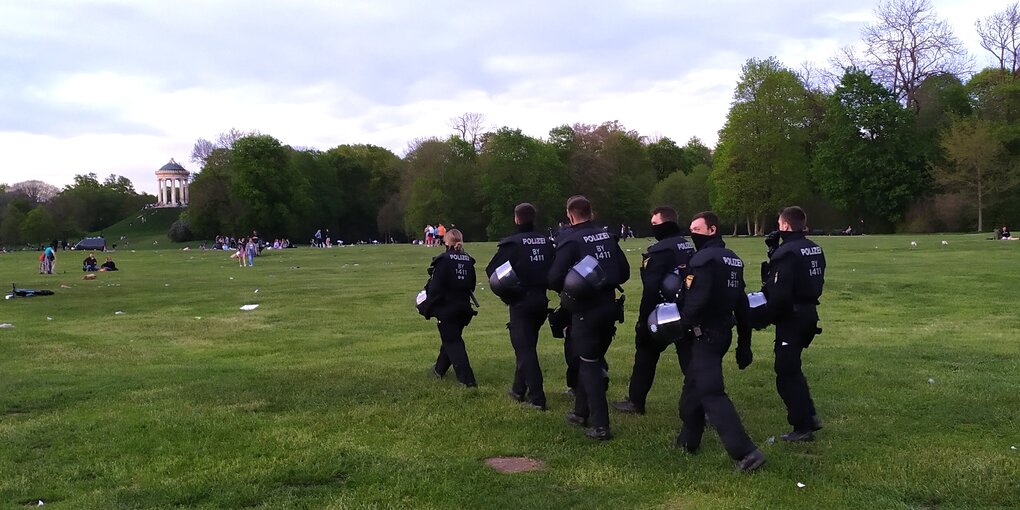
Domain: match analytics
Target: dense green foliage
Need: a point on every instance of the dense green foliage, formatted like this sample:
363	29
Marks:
88	205
321	397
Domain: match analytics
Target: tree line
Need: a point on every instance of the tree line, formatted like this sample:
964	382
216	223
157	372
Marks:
898	134
35	213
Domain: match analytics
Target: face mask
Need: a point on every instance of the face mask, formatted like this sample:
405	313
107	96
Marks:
784	235
700	239
665	230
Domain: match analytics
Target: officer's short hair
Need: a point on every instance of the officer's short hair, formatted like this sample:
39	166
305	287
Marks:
666	212
795	216
579	206
525	213
711	219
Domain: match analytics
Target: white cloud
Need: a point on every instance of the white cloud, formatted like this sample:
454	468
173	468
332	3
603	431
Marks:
122	86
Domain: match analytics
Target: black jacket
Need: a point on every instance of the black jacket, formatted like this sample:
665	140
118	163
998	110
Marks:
449	287
714	290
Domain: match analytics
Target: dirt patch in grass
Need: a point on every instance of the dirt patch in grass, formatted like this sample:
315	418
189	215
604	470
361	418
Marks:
514	464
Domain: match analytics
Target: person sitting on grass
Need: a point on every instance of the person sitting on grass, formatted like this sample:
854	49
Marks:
90	263
109	265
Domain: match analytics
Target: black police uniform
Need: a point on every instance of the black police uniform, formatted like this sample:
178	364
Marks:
713	297
591	321
662	258
530	254
568	343
449	301
793	284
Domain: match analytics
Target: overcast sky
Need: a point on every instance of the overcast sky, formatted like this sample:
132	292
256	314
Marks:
123	86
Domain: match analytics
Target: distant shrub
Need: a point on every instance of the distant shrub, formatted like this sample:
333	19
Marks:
180	232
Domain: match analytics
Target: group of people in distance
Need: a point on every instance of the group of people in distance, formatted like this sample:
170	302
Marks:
1003	234
693	294
433	235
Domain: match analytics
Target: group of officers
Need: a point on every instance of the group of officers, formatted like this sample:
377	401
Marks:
693	294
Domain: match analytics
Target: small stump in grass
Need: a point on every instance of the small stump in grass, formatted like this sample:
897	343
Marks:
514	464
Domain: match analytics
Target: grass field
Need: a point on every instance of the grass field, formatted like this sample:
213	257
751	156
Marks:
321	397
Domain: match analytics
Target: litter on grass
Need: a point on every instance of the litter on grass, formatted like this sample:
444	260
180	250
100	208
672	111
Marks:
931	381
800	485
256	291
118	312
249	307
771	440
6	325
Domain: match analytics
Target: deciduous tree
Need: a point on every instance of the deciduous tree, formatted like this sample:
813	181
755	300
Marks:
976	162
869	160
761	157
907	44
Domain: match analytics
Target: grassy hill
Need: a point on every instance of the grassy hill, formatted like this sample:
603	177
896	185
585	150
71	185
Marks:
141	229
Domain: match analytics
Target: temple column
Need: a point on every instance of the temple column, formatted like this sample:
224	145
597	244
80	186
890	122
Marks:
162	192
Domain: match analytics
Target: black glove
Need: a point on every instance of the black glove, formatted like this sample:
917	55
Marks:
772	241
744	356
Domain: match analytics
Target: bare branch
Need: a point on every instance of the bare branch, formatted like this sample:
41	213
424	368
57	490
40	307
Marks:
907	44
1000	36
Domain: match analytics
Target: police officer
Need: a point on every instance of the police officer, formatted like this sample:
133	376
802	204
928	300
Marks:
559	322
668	257
713	301
529	255
587	290
793	280
448	299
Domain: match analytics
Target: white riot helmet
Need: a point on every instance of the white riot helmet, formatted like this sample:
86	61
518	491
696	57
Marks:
505	283
756	299
420	300
664	322
583	280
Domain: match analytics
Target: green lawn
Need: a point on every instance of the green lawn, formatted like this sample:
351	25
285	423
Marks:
321	397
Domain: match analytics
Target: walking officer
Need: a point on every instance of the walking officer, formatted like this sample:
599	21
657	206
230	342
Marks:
448	298
793	280
588	266
518	274
713	301
663	267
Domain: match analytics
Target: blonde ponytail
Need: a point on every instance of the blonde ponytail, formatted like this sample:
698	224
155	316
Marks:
454	239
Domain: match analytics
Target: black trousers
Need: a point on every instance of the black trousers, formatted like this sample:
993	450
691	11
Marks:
571	358
526	319
792	337
592	331
704	393
646	360
453	352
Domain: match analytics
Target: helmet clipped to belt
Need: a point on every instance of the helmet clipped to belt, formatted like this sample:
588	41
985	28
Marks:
505	284
664	322
671	286
756	299
419	302
583	281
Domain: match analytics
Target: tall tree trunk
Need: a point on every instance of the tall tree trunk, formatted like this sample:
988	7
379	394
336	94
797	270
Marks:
979	204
